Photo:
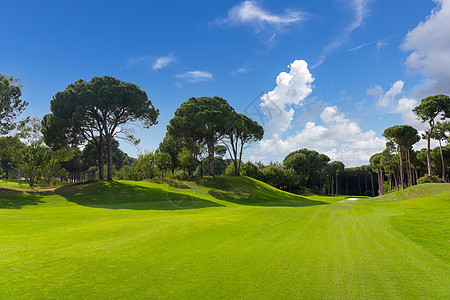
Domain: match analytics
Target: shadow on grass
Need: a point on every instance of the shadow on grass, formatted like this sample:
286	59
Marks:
14	199
116	195
176	184
245	191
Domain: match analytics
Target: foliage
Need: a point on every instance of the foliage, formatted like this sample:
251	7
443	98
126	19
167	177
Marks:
241	132
308	164
427	111
426	179
97	111
10	148
162	162
11	104
172	146
203	121
220	150
33	161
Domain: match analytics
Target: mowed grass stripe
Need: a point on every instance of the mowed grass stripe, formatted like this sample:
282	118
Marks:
90	243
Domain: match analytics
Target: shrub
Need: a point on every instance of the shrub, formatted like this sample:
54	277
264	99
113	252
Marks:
426	179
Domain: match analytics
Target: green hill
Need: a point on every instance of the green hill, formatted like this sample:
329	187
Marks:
222	237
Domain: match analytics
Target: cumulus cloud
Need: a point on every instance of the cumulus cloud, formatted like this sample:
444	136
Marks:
292	88
390	95
429	44
195	76
386	99
163	61
338	137
360	10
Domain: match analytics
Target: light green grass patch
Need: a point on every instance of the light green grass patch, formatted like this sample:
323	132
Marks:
218	238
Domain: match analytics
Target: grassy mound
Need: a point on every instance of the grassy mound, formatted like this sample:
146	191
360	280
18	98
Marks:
217	238
440	190
425	215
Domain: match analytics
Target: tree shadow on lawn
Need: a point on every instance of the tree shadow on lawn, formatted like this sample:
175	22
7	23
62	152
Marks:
116	195
248	192
15	199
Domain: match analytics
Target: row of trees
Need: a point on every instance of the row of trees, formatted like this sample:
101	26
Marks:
91	115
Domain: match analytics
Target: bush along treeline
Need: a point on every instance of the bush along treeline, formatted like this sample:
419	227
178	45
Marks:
78	141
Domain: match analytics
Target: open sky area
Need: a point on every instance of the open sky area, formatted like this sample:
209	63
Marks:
326	75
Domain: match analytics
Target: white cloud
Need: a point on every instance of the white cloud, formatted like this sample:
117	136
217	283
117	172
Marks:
360	10
240	70
375	91
148	61
338	137
248	12
378	45
386	99
135	61
292	88
195	76
163	61
429	43
390	95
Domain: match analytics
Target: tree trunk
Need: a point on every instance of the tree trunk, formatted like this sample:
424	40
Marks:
332	184
337	183
442	160
211	158
110	155
359	184
428	151
408	164
240	158
402	181
100	157
390	182
415	171
380	181
371	180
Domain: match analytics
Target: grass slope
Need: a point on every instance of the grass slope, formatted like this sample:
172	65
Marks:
221	238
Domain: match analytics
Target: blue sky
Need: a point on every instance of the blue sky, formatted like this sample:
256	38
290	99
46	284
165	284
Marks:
346	69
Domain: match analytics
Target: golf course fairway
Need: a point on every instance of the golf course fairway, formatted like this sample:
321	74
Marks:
223	237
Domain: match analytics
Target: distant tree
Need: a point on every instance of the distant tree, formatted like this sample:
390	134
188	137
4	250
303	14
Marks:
171	146
163	162
10	149
203	120
387	159
427	111
307	163
186	159
33	161
441	132
335	168
404	136
98	111
241	132
377	166
11	104
144	167
90	155
54	166
30	132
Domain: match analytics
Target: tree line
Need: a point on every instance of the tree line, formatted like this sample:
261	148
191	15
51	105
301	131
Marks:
78	140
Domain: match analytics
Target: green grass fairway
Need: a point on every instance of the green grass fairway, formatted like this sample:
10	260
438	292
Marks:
233	238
